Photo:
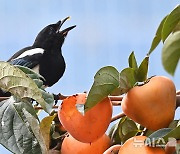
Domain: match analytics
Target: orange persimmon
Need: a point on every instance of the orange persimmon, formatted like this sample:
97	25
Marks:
136	145
89	127
72	146
152	104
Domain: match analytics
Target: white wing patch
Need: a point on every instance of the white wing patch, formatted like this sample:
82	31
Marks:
31	52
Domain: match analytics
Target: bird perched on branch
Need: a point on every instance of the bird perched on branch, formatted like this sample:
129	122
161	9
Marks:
45	55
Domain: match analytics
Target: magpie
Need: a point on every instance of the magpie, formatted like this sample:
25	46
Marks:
45	55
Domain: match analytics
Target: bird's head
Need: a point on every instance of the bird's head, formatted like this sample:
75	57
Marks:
52	36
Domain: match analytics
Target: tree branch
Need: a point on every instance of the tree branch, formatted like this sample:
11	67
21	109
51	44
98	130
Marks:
3	98
40	108
178	92
116	98
118	116
177	101
116	103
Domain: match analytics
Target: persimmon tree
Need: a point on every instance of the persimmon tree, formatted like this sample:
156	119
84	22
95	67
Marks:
21	131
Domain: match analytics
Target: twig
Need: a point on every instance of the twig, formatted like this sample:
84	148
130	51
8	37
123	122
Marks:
55	107
3	98
118	116
116	103
40	108
116	98
58	146
112	98
59	97
62	97
177	101
178	92
143	133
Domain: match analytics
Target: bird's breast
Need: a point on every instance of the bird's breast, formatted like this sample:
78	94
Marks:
52	68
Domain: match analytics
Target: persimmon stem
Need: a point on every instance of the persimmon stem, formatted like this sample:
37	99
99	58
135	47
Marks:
118	116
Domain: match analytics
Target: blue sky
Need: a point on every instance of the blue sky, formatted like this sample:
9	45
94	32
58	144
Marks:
106	33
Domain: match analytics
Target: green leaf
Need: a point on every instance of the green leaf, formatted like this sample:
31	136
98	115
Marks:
45	127
164	134
49	99
127	129
157	38
173	124
132	61
39	83
112	130
128	126
30	72
36	130
123	130
174	133
15	133
160	133
19	105
148	132
170	23
143	70
19	84
114	135
171	53
106	81
127	80
37	78
177	28
178	149
117	92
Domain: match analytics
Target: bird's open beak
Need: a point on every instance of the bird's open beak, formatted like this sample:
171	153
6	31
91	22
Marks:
65	31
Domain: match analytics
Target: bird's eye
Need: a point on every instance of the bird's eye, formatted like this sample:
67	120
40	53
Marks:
52	29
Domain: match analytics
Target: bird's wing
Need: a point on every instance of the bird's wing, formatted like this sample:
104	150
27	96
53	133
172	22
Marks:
17	54
28	57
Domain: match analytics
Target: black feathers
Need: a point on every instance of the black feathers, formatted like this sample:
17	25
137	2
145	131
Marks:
45	55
